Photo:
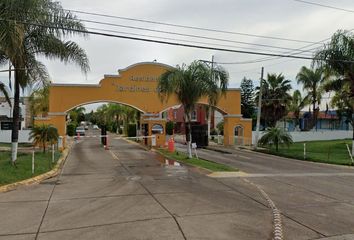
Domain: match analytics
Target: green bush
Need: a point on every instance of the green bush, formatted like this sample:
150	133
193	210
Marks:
70	129
220	127
213	132
120	131
169	128
132	130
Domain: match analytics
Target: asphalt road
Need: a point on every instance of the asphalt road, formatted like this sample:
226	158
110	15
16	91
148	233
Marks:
130	193
316	200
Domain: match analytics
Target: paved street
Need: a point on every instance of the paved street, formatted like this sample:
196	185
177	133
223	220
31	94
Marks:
130	193
316	200
126	193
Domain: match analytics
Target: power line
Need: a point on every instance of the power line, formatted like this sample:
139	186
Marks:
174	43
325	6
189	27
181	40
183	34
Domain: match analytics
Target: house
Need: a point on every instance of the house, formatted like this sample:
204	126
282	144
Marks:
199	117
326	120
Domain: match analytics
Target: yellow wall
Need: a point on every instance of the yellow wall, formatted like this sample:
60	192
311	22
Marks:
134	86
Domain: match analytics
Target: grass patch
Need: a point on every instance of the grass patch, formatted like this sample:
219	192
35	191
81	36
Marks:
19	145
332	152
183	158
23	169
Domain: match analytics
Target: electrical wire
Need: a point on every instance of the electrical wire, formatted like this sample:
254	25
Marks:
183	34
174	43
189	27
325	6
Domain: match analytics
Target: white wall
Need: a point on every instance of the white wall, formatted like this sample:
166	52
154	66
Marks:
23	136
314	135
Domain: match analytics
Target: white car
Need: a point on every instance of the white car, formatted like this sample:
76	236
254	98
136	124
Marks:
95	127
80	131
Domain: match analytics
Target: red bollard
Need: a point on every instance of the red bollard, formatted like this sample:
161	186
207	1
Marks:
78	136
171	145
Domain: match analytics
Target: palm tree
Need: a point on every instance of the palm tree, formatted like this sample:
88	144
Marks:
43	134
30	29
189	84
3	90
275	136
77	114
297	103
115	112
39	101
337	58
311	80
275	98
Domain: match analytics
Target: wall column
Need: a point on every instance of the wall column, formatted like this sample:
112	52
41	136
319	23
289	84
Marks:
230	122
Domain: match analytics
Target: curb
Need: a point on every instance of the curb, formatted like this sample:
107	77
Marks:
37	179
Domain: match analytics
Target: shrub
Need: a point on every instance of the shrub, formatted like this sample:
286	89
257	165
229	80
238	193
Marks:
70	129
169	127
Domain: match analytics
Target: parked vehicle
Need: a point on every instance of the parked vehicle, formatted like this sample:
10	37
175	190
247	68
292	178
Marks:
80	130
95	127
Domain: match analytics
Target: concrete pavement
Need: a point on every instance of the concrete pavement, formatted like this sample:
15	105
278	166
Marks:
127	193
316	200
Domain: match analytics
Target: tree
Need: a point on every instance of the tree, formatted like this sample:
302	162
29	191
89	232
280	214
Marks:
189	84
296	104
39	101
337	58
311	80
36	28
275	98
343	104
3	90
77	115
275	136
43	134
247	98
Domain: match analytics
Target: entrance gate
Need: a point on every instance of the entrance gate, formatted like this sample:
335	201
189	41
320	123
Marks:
136	86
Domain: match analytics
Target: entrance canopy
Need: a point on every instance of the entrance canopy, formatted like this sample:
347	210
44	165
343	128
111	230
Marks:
135	86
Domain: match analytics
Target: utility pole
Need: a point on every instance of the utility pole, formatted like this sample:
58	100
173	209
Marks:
259	110
210	107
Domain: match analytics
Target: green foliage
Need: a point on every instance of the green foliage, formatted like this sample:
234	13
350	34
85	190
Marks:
70	129
213	132
333	152
39	101
198	162
247	98
169	127
190	83
275	98
23	170
220	127
43	134
275	136
296	104
22	45
131	130
342	82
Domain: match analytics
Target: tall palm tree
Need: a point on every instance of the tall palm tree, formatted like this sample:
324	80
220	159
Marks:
189	84
275	98
296	104
337	57
275	136
311	80
30	29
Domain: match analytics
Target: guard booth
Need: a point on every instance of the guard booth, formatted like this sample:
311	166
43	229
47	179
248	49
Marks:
200	135
152	126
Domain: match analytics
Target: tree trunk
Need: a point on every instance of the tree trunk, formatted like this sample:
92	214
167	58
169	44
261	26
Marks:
209	121
189	134
15	118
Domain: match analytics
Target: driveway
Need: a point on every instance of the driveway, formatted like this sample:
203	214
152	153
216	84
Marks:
129	193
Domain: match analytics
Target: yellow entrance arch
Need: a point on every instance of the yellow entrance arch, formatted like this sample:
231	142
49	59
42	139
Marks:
136	86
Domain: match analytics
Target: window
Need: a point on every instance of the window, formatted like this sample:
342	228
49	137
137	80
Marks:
157	129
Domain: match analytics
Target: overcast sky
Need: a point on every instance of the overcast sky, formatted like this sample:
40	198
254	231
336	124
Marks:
275	18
